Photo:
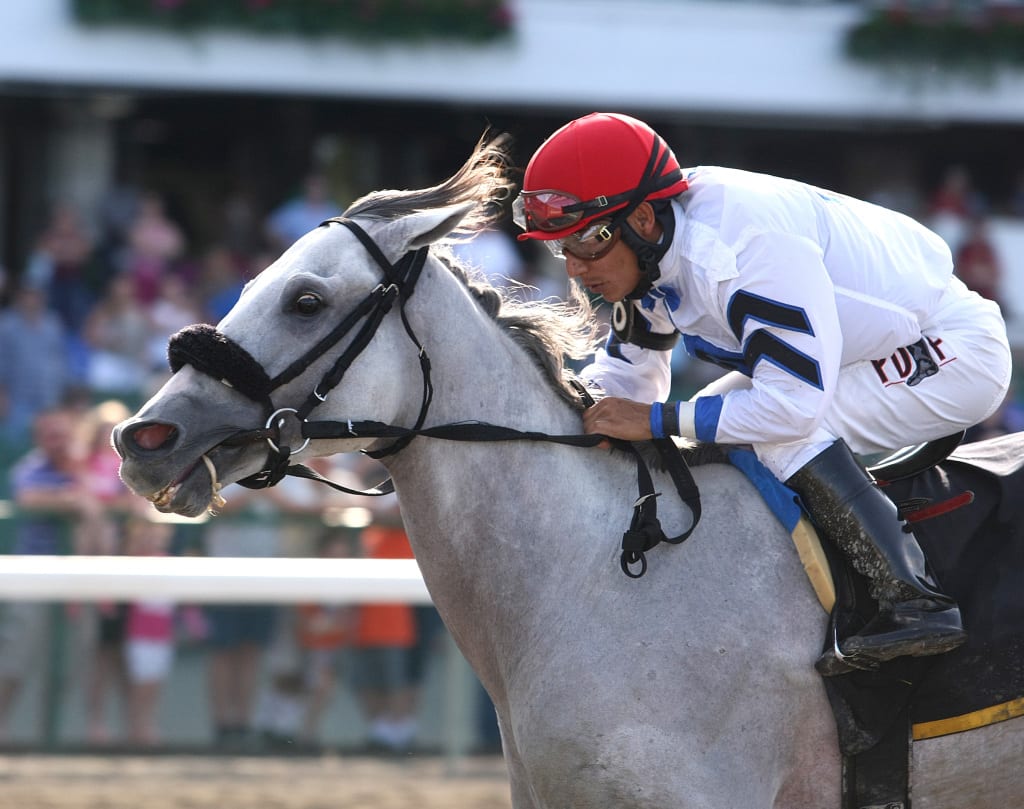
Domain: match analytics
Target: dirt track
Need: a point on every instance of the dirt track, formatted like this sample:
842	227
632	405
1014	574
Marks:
329	782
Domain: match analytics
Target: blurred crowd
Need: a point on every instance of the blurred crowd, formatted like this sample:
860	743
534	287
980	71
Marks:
92	310
83	335
272	671
89	315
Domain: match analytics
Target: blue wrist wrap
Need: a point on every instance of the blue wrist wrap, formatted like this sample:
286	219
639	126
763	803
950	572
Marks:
657	430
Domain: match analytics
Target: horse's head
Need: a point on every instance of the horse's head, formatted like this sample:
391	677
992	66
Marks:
338	331
320	313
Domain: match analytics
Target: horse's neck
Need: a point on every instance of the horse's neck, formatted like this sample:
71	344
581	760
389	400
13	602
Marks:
519	542
485	519
484	377
502	532
481	374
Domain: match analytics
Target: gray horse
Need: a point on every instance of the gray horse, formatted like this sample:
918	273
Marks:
691	688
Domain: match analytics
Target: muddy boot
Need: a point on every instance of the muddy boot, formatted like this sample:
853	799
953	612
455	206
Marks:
914	616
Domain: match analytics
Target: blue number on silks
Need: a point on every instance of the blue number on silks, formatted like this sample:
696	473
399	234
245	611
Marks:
761	345
704	350
746	306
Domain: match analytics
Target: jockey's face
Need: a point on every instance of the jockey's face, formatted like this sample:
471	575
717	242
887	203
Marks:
612	276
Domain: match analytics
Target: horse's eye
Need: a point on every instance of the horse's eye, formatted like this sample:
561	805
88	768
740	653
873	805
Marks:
308	304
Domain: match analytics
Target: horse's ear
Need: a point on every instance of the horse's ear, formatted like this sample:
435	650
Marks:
426	227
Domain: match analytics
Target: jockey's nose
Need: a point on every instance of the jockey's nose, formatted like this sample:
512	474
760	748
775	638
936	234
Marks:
574	266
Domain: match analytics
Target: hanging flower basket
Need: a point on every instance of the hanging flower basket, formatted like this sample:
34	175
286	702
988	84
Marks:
976	37
473	20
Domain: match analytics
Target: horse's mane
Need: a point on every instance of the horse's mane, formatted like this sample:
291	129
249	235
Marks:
551	332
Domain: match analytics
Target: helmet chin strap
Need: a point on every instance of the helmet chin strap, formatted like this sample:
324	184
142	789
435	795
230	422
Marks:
649	254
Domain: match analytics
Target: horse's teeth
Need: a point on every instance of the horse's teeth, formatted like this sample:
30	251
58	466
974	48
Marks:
164	496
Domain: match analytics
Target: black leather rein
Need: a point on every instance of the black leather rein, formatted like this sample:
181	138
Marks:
215	354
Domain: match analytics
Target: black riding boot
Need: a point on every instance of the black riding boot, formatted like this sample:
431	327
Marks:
914	617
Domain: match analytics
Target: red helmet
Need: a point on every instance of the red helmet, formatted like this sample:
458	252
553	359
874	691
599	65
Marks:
592	166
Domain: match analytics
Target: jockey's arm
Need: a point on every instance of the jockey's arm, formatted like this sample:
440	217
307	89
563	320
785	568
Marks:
632	377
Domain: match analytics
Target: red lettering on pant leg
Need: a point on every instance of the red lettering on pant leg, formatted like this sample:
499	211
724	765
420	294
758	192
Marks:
879	366
935	342
902	362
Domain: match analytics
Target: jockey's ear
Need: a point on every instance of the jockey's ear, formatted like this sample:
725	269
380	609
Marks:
644	222
426	227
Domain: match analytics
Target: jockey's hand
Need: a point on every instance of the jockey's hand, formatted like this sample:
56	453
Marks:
619	418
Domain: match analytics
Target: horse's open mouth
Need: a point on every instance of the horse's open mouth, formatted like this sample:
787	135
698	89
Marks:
169	499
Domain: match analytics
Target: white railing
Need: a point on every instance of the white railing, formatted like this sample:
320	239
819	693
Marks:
243	580
210	580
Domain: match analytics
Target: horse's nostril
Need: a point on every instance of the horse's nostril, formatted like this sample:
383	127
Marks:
154	436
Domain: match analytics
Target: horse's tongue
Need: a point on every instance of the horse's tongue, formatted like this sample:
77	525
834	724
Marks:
152	437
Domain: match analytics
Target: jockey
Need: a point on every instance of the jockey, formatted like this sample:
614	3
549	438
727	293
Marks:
841	323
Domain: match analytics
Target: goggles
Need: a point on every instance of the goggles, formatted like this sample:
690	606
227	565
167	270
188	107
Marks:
588	244
551	211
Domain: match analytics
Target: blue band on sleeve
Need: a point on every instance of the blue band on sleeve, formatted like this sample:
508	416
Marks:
707	412
657	430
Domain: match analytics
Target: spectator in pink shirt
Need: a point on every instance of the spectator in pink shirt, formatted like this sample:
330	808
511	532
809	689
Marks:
149	636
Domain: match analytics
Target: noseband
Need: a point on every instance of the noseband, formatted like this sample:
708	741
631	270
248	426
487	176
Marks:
218	356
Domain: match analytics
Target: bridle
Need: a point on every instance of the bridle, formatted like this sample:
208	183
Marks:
220	357
215	354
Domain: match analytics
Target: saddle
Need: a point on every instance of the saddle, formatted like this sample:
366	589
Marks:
968	516
965	507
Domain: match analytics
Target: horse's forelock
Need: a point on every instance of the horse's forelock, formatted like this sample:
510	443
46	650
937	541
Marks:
483	179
